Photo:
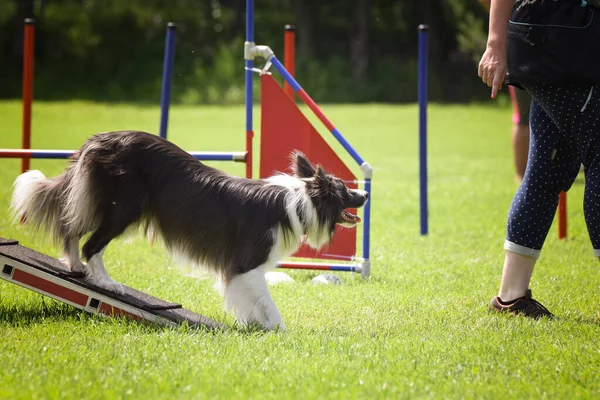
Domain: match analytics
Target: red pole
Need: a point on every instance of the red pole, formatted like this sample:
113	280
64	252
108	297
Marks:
289	56
27	88
562	215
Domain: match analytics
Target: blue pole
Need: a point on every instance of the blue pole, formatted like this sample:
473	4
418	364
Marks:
52	154
367	222
249	63
61	154
423	50
165	96
249	87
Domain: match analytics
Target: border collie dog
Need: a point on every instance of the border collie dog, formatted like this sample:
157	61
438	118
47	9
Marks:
237	228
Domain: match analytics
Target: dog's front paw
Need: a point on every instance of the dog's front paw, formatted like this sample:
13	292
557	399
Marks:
269	319
248	297
279	326
255	325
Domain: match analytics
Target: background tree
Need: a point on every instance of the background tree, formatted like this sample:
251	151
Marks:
348	51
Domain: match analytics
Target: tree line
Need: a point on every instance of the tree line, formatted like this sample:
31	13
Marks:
347	50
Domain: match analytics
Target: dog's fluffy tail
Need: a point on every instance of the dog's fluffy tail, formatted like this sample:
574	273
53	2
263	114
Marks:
37	200
63	206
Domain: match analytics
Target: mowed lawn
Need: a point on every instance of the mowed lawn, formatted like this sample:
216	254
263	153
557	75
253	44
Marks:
417	328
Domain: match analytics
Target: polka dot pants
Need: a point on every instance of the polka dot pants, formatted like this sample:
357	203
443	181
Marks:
565	133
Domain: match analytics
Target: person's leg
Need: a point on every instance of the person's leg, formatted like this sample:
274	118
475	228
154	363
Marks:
564	133
552	167
575	110
516	275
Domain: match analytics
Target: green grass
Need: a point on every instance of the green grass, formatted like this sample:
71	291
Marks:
418	328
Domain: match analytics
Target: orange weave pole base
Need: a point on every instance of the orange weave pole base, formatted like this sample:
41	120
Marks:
562	215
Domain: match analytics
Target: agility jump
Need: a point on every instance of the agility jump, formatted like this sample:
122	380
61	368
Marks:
279	115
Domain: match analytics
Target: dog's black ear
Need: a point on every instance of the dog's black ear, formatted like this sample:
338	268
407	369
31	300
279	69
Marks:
321	173
322	179
301	166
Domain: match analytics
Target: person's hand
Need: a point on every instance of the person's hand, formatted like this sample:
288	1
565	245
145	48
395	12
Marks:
492	67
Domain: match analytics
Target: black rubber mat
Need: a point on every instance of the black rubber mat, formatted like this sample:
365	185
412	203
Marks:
172	311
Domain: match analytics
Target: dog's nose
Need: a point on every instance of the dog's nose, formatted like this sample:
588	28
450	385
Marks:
360	195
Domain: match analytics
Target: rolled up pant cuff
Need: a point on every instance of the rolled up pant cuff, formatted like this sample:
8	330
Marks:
525	251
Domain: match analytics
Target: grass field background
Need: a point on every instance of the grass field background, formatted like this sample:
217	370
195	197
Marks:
417	328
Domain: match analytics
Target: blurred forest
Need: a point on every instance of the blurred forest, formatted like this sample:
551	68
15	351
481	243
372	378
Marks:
347	50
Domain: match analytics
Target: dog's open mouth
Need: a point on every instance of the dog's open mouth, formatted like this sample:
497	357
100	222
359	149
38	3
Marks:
346	216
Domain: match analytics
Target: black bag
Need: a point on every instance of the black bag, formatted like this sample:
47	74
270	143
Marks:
554	42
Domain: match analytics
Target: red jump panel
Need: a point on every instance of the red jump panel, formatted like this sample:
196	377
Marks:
284	129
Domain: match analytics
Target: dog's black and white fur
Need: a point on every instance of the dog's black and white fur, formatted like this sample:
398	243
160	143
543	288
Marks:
236	227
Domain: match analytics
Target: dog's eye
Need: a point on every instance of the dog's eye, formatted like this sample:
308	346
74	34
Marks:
345	194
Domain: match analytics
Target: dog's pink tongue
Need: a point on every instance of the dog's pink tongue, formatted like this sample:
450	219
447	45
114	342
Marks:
350	217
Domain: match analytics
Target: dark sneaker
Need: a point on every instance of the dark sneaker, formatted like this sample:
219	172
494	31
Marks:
525	306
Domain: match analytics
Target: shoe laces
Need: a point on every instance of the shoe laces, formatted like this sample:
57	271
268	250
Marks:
534	307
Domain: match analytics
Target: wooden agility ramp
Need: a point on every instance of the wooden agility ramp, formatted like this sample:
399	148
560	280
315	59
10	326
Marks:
48	276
